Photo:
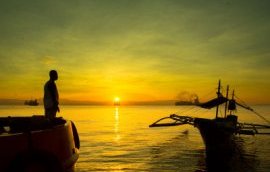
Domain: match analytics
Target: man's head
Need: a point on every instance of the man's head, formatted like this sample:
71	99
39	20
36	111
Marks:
53	75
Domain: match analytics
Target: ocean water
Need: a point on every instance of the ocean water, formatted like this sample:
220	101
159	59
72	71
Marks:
118	139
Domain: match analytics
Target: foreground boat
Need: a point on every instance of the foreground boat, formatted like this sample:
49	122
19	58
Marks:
38	144
219	133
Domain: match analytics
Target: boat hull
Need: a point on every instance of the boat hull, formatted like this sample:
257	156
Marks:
220	144
31	140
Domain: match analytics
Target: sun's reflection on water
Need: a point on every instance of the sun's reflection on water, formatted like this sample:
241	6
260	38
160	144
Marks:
117	136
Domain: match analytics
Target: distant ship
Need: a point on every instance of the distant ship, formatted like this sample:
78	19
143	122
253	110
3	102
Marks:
195	101
31	102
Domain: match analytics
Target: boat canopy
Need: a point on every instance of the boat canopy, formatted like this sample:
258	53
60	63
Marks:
214	102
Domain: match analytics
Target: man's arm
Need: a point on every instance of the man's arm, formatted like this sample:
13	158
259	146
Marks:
53	91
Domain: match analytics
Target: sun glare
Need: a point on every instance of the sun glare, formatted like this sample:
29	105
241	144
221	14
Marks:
116	101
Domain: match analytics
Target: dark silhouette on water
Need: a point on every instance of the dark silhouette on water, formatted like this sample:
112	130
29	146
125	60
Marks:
51	97
186	99
31	102
219	133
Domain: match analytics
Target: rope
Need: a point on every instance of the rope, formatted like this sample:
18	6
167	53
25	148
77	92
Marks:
241	101
252	110
256	113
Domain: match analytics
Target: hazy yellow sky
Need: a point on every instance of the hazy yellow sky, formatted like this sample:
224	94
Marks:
143	50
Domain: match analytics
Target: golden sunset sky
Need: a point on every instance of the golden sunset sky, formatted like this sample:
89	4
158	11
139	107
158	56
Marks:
138	50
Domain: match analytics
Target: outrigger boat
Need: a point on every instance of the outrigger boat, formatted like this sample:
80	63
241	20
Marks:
218	134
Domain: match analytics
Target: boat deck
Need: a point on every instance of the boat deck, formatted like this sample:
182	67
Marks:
13	125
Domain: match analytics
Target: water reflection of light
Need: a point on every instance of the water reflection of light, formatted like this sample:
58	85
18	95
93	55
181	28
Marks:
116	125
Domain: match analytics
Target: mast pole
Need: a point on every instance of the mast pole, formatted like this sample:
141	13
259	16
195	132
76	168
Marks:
233	95
232	99
218	95
226	104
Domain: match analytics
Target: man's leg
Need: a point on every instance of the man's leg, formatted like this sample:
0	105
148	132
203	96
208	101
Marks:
50	113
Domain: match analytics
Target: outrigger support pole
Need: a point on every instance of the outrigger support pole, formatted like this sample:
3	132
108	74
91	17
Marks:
177	120
218	95
226	103
252	129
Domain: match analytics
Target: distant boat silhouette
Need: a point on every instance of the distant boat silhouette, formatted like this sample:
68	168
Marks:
31	102
218	133
187	103
186	99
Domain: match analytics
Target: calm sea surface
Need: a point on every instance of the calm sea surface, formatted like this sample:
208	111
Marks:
119	139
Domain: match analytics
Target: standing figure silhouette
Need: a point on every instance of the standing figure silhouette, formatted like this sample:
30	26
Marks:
51	97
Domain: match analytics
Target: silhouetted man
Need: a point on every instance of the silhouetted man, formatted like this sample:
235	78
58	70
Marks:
51	96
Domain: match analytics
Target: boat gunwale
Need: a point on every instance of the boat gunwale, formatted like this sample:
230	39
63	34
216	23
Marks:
48	125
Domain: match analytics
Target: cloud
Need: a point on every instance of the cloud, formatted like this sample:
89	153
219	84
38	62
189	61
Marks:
49	60
161	43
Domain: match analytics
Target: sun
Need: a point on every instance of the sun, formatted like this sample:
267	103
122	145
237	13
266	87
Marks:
116	101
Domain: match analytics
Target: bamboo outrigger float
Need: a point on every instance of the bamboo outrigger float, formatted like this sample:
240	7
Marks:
241	128
218	133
